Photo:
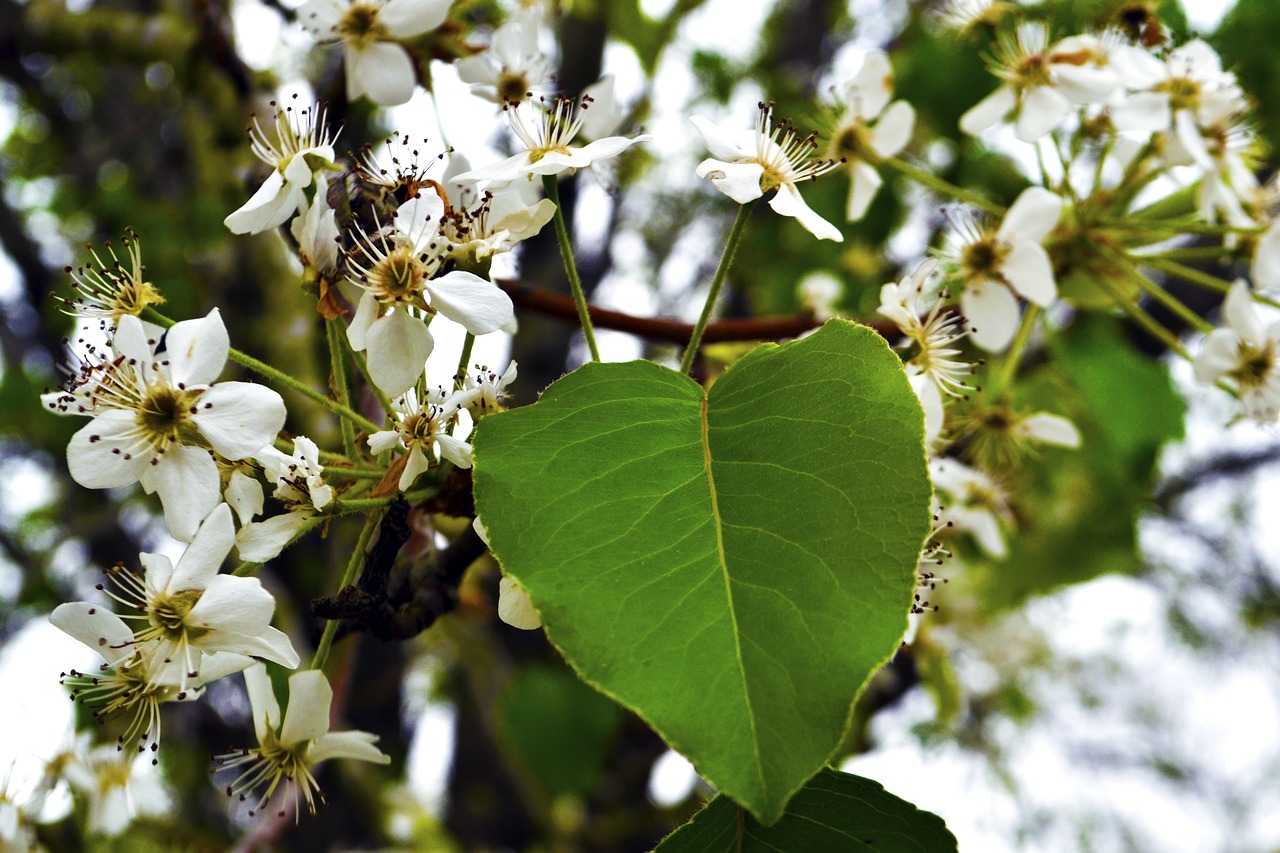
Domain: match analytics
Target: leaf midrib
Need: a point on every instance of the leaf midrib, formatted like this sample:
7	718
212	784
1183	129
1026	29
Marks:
728	590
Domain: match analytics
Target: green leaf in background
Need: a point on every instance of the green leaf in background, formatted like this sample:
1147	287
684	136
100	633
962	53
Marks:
1079	507
731	564
834	813
559	729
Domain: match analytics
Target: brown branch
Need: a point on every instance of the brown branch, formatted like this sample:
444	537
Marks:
663	328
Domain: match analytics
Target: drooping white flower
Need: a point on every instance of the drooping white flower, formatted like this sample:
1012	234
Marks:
994	265
299	486
395	269
1000	437
189	611
301	148
969	500
935	335
133	679
772	157
1041	83
1244	354
370	32
868	128
514	66
108	291
156	416
422	430
118	788
289	747
546	139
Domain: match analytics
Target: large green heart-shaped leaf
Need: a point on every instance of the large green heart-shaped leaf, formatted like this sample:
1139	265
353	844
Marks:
835	813
730	564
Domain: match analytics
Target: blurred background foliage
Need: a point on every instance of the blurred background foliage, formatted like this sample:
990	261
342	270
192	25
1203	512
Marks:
131	113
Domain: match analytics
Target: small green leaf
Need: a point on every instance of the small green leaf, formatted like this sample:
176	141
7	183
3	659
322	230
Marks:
730	564
834	813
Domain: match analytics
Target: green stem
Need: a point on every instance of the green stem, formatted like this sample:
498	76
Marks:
355	473
338	366
1159	294
459	378
1009	368
1196	277
552	190
1189	253
722	272
348	578
346	507
1145	320
267	371
942	187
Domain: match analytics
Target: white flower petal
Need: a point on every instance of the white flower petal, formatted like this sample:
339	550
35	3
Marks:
244	494
870	89
96	627
200	563
1266	259
197	350
262	701
1142	112
234	604
307	716
455	450
893	131
1043	108
382	70
398	345
788	202
989	112
1219	355
187	481
1050	429
108	452
721	145
414	465
409	18
992	311
260	541
239	418
1031	216
863	185
1241	315
480	306
739	181
355	745
270	206
367	311
514	606
1029	272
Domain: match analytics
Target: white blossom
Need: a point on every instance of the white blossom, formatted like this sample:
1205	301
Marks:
969	500
869	128
546	142
190	610
478	226
995	266
157	415
117	788
1244	354
370	32
395	269
1041	84
484	390
107	291
289	746
513	66
935	335
302	147
421	429
772	157
299	487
